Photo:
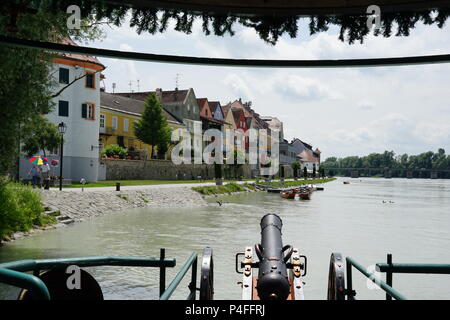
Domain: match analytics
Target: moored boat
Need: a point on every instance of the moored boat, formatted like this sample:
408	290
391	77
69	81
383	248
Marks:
304	195
288	194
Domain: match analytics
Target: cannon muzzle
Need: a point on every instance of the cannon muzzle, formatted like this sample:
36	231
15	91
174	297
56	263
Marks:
273	283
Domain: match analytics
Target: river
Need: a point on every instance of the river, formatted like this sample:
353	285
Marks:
413	224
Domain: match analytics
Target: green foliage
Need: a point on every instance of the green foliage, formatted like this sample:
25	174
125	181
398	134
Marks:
114	150
295	166
152	128
388	159
40	135
353	27
20	209
227	188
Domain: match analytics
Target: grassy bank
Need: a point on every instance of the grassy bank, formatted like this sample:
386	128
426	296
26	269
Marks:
299	182
227	188
20	209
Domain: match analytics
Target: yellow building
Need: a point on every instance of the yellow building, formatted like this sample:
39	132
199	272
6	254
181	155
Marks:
117	117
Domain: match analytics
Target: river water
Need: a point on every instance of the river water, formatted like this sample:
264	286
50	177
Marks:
413	224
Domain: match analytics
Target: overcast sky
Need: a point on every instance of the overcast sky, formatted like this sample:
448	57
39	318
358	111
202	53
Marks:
346	111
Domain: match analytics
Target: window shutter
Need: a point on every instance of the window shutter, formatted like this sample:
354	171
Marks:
84	110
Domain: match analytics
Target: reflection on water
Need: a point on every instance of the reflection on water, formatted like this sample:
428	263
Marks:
351	219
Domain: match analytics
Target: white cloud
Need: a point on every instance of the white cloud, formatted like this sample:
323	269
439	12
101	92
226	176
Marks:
393	132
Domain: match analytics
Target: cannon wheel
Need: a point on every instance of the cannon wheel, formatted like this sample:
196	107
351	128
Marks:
207	275
336	278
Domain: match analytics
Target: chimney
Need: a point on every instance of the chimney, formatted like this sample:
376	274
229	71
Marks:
158	92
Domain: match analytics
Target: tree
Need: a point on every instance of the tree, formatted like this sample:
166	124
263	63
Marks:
305	173
295	166
164	144
152	128
40	135
352	26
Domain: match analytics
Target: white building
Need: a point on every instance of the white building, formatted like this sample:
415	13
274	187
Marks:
78	106
309	159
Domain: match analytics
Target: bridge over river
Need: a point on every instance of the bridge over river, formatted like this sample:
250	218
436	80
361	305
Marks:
390	172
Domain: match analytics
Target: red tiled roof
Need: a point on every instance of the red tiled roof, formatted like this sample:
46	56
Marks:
306	155
78	57
226	109
213	105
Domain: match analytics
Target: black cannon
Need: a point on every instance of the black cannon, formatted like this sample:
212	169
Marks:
273	281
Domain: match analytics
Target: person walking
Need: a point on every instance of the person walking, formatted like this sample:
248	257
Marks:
45	170
34	173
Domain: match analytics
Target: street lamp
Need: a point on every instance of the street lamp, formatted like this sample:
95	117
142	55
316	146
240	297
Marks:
62	129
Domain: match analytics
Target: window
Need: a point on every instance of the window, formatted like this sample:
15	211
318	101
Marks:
102	121
88	111
114	123
63	75
63	108
90	80
125	125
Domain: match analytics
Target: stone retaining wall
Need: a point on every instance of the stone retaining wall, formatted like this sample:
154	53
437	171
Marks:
166	170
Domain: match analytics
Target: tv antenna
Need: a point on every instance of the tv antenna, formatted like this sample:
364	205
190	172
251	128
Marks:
177	78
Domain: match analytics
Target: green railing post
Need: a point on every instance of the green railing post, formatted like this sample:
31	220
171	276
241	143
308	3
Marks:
350	294
162	272
193	284
389	275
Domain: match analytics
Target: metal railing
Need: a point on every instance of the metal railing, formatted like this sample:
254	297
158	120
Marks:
413	268
191	262
14	273
383	285
390	268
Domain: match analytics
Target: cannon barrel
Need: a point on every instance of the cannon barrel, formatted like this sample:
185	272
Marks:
273	283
